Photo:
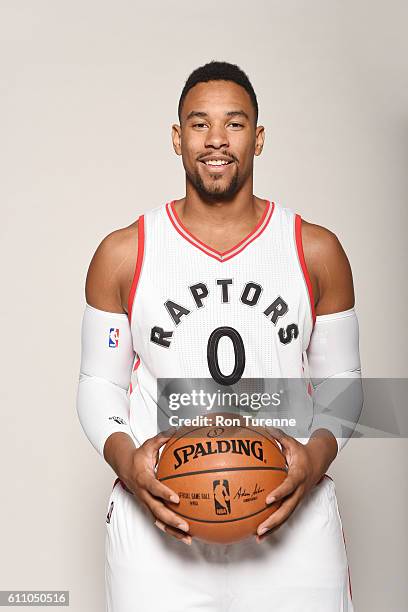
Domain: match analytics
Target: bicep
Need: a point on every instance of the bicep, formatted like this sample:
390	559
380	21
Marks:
328	262
110	270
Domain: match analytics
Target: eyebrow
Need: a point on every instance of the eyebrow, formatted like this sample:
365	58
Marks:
237	113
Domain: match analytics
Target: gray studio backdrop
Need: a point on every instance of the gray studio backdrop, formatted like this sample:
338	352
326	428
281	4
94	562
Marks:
89	92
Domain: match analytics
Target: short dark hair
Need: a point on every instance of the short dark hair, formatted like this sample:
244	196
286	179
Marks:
219	71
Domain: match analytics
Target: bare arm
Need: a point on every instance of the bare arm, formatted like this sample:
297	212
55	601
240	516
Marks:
329	269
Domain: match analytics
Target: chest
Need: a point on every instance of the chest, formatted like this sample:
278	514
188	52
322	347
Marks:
190	304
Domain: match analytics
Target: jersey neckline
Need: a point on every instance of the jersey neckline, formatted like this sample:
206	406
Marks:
210	251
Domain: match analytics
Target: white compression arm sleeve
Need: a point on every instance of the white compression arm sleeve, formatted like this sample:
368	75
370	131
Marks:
106	366
335	374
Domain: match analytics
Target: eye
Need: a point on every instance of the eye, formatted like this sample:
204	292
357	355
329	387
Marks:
238	124
198	124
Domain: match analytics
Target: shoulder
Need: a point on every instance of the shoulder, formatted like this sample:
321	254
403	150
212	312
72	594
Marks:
329	268
111	269
318	240
117	245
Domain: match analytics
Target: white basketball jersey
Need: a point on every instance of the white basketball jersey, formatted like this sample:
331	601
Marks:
198	313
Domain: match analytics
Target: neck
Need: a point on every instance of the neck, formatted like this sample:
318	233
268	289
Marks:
244	208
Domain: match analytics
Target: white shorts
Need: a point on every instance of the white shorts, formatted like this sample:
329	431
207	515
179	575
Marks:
301	567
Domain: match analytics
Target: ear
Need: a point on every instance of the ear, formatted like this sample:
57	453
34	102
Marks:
259	139
176	138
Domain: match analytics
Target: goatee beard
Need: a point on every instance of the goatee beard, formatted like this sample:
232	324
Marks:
218	194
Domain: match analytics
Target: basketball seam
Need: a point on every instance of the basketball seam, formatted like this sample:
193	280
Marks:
241	518
231	469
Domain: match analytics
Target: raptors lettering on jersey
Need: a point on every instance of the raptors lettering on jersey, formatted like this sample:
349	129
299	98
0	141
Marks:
249	297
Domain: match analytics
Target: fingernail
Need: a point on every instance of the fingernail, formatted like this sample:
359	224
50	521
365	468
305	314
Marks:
270	499
175	499
186	540
160	525
262	531
183	526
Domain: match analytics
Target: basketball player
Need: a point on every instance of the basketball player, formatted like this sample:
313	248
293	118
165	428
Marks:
219	256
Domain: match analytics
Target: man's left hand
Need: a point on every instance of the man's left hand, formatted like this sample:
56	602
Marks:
306	465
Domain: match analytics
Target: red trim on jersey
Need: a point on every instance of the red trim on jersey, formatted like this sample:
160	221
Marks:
348	567
139	260
299	246
211	248
218	255
137	364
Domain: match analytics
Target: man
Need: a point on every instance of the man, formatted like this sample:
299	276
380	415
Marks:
220	256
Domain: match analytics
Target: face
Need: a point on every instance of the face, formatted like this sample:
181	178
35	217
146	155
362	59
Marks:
218	139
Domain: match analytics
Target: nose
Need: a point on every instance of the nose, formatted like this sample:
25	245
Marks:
216	137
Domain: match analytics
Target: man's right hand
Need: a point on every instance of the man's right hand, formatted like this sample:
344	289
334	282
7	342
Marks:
137	472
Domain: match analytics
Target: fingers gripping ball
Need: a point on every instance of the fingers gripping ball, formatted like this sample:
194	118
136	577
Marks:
222	476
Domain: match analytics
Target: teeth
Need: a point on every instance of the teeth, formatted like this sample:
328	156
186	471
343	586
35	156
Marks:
216	162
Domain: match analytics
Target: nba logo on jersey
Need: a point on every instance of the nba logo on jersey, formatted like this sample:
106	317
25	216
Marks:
113	337
108	517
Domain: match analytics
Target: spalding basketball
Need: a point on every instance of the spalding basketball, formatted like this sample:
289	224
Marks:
222	476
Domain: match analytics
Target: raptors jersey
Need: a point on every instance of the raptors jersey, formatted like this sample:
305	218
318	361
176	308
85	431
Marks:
255	298
196	313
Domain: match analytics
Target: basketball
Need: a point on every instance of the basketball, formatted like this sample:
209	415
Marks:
222	476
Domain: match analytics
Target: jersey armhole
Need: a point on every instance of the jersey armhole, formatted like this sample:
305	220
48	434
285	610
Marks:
138	267
302	262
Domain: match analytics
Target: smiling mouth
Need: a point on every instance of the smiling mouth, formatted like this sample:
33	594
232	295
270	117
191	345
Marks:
218	166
